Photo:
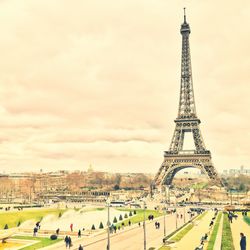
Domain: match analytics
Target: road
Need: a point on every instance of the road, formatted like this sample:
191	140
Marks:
130	238
133	239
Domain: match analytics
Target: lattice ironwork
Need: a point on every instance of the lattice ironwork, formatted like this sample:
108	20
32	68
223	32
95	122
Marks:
176	158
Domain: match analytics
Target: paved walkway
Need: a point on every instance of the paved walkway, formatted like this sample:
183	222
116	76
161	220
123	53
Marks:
130	238
192	239
237	227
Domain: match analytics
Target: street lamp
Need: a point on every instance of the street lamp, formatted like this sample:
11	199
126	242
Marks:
184	214
165	212
144	225
176	223
108	205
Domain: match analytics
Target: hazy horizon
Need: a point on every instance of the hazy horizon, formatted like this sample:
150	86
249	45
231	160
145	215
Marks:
98	82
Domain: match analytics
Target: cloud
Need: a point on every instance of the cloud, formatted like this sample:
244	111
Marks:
98	82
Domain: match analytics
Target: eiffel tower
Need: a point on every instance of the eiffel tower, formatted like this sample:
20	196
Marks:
177	158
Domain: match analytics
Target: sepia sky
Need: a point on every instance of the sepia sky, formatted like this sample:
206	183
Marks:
97	82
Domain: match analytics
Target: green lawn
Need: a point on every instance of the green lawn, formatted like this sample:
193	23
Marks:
43	242
165	248
227	239
13	218
139	216
214	232
180	234
247	220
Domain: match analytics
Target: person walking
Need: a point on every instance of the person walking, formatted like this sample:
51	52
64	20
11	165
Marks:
80	247
71	227
70	242
66	240
35	231
243	242
79	233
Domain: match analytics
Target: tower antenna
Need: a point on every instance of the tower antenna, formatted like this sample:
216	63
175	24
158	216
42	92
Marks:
184	15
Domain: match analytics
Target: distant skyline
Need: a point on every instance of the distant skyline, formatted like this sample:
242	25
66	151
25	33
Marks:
97	82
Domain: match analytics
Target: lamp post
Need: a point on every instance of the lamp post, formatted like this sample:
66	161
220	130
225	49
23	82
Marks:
176	225
144	226
108	205
165	212
184	214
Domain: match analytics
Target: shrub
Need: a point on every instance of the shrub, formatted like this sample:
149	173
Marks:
120	218
101	225
125	216
6	226
93	227
115	220
53	237
130	213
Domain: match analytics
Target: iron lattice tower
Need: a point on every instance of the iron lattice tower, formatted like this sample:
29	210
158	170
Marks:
187	121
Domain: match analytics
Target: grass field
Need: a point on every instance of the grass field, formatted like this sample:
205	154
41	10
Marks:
13	218
181	233
43	242
227	239
213	236
139	217
247	220
165	248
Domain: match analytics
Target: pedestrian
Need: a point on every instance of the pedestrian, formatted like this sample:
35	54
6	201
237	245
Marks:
38	225
57	231
243	242
70	242
71	227
129	223
80	247
79	233
156	225
66	241
139	224
35	231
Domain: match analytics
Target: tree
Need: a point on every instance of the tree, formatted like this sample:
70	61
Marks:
242	187
101	226
19	223
93	227
6	226
134	211
60	215
130	213
126	216
118	178
120	218
115	220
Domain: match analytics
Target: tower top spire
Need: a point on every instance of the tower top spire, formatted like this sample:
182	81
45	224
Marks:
184	9
185	26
